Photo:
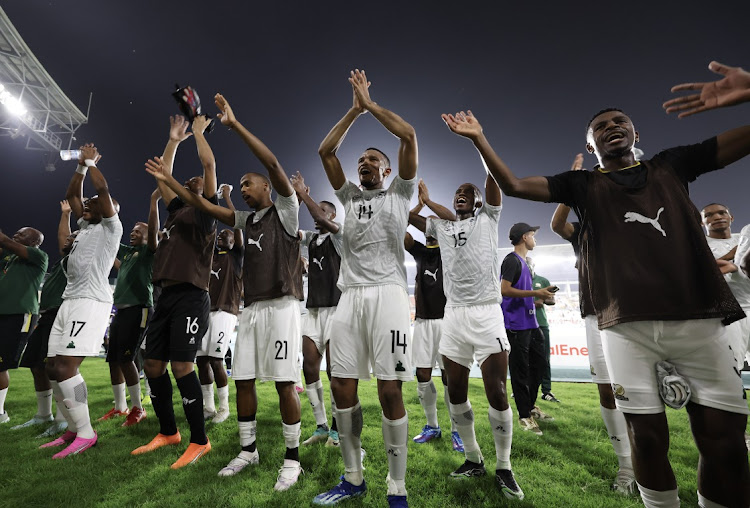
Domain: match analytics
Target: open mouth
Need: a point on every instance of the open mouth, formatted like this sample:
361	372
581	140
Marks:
461	200
614	136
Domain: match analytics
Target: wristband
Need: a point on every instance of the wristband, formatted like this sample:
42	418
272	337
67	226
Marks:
89	163
81	170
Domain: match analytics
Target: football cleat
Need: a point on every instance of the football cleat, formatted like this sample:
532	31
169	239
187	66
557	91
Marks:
507	484
469	469
428	434
341	492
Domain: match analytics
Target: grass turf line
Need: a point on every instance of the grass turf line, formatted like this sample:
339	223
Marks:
572	465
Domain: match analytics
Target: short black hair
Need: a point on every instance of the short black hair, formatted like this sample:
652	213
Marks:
605	110
328	203
387	160
715	204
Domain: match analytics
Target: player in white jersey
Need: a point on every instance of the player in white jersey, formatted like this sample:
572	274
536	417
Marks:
371	324
83	317
473	327
324	248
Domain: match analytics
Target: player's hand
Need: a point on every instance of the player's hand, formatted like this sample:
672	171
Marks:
225	115
155	167
200	124
577	163
65	206
463	124
422	192
733	88
225	190
544	293
726	266
89	151
360	86
356	104
298	183
178	128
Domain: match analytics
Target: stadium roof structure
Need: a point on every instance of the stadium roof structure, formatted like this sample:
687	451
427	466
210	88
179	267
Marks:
35	106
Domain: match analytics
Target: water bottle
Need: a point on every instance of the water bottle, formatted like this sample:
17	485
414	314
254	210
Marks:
70	155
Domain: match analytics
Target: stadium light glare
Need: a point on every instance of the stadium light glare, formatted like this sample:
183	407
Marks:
12	104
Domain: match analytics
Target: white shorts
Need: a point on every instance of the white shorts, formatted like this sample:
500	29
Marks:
426	341
268	341
315	325
473	332
79	328
597	362
371	330
216	340
739	335
699	350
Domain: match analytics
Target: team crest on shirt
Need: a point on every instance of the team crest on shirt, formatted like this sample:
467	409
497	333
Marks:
400	367
619	392
637	217
71	345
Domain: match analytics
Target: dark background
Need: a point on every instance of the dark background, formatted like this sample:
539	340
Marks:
533	75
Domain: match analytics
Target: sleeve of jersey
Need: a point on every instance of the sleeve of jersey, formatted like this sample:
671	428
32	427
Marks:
567	188
305	237
510	270
113	224
288	208
691	161
404	188
344	193
492	211
430	227
338	239
240	219
37	257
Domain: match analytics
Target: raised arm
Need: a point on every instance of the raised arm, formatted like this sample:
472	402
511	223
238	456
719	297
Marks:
63	228
559	222
74	194
492	193
90	155
155	167
332	142
417	220
153	221
534	188
225	190
408	241
407	151
276	174
318	214
206	155
733	88
423	193
7	244
177	134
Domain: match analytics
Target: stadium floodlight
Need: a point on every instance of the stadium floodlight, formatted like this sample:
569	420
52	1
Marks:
13	105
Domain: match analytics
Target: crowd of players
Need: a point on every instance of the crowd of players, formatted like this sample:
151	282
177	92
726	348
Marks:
663	325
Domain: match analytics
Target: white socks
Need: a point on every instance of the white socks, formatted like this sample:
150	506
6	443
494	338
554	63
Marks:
75	398
291	434
247	433
617	429
501	423
349	421
315	394
3	394
120	402
395	437
428	398
659	498
135	395
209	405
707	503
223	392
463	416
61	409
43	403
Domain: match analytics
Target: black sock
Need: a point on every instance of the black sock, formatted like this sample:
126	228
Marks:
292	454
333	424
161	400
192	404
323	426
252	446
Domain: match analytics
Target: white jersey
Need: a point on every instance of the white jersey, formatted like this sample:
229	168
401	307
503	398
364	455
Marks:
91	258
337	239
720	246
471	269
374	228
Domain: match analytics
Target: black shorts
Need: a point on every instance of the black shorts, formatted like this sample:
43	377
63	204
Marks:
14	333
178	325
126	333
35	354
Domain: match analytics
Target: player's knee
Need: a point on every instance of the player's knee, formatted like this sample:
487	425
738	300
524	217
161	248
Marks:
648	438
424	375
606	396
153	368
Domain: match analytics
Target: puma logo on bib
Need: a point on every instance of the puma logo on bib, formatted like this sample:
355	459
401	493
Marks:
637	217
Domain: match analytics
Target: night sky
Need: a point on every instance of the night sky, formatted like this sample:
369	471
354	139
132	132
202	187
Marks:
532	74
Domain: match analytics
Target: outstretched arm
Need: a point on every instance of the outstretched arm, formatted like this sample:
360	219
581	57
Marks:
332	142
559	222
155	167
7	244
177	134
206	155
63	228
407	151
423	194
153	221
90	154
534	188
318	214
226	190
733	88
276	174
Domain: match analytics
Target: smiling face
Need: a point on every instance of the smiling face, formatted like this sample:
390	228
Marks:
717	220
225	240
611	135
467	199
373	169
92	212
139	234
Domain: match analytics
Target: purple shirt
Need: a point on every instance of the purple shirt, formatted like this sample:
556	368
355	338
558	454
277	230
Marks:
519	313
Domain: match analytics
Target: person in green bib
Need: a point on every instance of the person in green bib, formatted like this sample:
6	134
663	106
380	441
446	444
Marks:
22	268
134	302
